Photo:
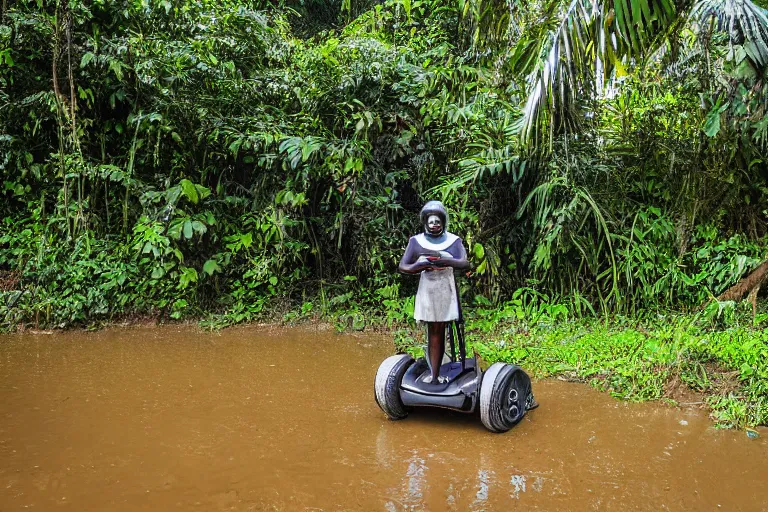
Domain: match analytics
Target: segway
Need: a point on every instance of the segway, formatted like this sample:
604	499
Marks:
502	393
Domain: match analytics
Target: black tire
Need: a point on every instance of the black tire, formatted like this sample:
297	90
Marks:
505	393
386	386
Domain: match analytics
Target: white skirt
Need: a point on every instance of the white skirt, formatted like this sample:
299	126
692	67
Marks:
436	299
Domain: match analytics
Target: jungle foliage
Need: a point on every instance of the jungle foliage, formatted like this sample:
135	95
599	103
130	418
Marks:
224	159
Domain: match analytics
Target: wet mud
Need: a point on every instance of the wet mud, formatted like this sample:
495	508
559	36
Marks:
255	418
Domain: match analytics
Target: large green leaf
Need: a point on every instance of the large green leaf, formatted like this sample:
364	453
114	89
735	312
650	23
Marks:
189	190
712	123
211	266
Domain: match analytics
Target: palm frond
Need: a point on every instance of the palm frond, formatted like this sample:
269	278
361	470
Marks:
745	22
593	39
489	22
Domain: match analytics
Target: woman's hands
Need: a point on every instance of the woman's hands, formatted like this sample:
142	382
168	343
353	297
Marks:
417	260
436	263
424	263
446	260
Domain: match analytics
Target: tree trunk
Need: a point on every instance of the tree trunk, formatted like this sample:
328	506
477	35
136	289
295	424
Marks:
750	284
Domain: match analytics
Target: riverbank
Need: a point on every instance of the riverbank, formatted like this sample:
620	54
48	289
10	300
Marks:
718	363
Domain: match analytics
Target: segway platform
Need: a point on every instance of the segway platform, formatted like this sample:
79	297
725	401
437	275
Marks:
459	393
502	394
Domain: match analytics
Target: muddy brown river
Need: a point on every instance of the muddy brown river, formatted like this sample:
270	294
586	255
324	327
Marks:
253	418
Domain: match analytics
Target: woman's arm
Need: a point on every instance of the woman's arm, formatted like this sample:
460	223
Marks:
456	257
410	263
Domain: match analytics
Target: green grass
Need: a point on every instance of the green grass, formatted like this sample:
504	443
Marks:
728	367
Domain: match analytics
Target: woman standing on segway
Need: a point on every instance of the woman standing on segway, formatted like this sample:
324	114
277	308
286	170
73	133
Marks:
434	254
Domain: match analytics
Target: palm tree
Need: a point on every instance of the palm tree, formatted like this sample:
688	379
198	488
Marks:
580	47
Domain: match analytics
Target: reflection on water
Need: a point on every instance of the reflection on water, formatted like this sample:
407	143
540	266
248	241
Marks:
259	419
518	485
415	479
483	481
482	492
411	493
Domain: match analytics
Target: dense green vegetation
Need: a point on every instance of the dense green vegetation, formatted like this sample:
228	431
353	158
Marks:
239	159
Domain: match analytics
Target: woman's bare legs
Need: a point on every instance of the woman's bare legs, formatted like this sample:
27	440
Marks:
436	348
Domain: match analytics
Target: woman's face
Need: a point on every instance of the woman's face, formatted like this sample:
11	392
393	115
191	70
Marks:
434	225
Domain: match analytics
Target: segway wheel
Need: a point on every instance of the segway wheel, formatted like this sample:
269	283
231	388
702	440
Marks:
387	385
504	392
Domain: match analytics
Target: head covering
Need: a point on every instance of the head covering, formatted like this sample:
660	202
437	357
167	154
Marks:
434	208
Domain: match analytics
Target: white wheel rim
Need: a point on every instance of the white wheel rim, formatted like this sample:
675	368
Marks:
486	392
382	375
